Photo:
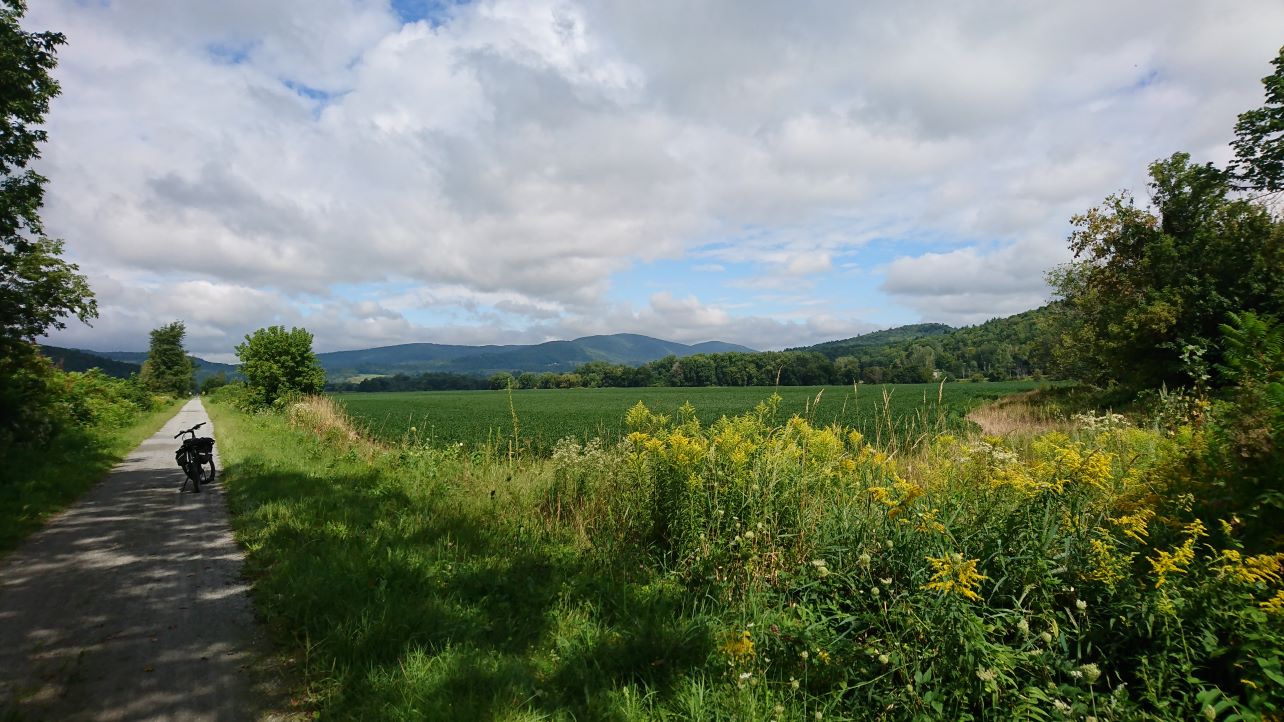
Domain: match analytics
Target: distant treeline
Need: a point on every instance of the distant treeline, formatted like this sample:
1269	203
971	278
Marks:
1001	350
430	381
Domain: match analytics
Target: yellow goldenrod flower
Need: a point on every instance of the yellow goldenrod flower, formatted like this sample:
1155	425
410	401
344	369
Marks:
1108	567
1262	568
1135	525
953	574
1176	561
1274	605
739	646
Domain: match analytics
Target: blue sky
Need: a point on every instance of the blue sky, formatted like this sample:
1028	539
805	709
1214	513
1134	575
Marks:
496	172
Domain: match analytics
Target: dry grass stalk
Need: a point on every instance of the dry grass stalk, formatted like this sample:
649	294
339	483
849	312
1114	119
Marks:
1017	415
327	419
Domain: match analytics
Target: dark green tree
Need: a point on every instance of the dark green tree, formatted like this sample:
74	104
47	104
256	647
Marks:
167	369
37	287
1259	138
213	383
276	362
1149	287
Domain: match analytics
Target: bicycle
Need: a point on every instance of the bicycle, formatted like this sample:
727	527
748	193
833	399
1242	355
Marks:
192	457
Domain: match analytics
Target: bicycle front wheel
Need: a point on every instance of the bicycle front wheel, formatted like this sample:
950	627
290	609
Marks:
196	473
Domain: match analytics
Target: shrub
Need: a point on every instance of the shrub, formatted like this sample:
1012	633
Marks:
1055	577
276	362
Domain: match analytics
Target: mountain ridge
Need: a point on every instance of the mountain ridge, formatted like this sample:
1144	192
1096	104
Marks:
561	355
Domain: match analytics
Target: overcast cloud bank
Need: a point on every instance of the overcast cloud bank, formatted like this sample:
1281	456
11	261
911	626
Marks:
763	173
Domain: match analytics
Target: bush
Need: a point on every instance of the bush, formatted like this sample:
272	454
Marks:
276	362
29	395
1055	577
1233	460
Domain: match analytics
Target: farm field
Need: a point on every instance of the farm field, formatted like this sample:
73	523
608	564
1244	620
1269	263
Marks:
546	415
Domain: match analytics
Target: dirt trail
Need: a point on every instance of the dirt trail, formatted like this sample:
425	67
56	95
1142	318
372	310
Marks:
130	604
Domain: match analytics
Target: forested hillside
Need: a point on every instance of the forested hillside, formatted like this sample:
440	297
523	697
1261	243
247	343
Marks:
1003	348
70	359
434	359
998	350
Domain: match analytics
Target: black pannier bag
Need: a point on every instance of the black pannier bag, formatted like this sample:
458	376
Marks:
202	448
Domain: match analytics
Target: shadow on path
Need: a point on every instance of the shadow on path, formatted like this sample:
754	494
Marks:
130	605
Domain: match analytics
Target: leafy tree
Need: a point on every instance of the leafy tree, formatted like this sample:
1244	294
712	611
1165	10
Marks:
37	287
1259	138
276	362
1149	287
213	383
167	368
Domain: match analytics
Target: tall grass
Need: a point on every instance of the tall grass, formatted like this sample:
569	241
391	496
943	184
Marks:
766	565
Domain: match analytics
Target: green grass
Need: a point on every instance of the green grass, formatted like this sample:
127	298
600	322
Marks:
762	568
415	586
545	416
35	484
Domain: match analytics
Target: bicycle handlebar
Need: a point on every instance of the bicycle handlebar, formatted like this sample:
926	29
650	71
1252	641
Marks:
189	431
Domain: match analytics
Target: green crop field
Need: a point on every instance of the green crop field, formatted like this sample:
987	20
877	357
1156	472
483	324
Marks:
545	415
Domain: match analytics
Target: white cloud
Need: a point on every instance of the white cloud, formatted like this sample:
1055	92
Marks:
508	164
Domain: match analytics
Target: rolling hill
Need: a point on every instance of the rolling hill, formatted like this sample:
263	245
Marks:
415	358
1001	348
204	369
72	359
886	337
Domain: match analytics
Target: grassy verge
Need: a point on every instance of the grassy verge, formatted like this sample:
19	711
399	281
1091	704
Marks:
36	484
756	568
417	583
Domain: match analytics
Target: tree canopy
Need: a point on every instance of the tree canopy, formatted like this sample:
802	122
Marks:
167	368
1149	287
276	362
37	287
1259	138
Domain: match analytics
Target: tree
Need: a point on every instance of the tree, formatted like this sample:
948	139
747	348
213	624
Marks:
1148	287
37	287
167	368
213	383
1259	138
276	362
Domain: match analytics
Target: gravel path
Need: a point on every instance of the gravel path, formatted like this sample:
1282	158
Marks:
130	605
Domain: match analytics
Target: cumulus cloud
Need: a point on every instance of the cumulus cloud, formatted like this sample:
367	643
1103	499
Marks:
490	175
